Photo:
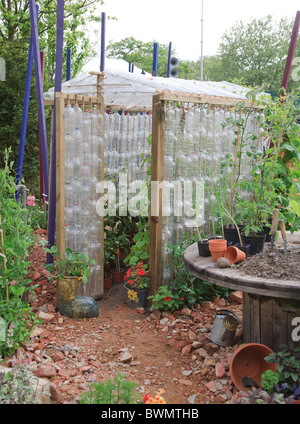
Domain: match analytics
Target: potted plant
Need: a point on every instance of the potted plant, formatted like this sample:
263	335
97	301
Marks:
137	284
69	271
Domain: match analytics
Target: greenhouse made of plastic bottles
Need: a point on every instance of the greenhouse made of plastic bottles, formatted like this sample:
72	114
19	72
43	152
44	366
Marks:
112	122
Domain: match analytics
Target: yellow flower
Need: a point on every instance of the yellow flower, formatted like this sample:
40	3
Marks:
132	295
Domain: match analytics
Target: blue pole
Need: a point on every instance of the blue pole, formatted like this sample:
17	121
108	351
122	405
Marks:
57	88
132	67
25	116
155	59
169	60
102	63
69	64
40	98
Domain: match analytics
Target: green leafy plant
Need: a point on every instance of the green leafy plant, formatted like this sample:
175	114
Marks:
75	264
35	213
269	379
166	300
19	324
288	368
139	251
114	391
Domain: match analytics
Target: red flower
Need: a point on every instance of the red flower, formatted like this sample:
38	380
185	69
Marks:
130	282
146	397
141	272
141	264
182	298
167	299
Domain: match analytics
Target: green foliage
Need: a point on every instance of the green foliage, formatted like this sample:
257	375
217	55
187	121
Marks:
114	391
75	264
288	366
19	324
269	379
15	28
139	251
17	236
185	285
166	300
36	215
116	240
257	52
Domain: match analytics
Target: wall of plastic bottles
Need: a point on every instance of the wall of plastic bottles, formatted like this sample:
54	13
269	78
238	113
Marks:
83	139
125	143
197	147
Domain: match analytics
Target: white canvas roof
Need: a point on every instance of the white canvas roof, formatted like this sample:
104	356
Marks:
124	90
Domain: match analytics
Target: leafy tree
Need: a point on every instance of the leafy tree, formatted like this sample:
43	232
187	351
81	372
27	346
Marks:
15	29
257	52
141	54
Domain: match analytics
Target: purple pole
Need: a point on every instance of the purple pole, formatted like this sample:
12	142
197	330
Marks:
291	53
155	60
57	88
68	65
102	63
169	60
39	87
25	115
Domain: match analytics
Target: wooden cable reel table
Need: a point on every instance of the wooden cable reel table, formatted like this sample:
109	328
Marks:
269	305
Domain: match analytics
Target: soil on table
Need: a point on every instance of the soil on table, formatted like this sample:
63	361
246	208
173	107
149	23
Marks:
157	351
275	264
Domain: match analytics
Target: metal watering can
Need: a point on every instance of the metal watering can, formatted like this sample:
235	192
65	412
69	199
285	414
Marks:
224	328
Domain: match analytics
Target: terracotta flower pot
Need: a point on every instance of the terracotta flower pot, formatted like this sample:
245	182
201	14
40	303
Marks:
234	255
217	248
248	361
117	276
107	281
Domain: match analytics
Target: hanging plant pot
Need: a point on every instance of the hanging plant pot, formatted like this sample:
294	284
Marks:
248	364
257	242
67	288
141	298
107	281
203	248
217	248
117	276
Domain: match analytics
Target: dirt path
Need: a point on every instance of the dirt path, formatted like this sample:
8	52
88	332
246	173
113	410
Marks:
173	353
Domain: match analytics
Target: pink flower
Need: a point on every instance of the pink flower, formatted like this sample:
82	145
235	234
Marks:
30	200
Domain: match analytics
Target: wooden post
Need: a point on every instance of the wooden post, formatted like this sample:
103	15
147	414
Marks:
158	128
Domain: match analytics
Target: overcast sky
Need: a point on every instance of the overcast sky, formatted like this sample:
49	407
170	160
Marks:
179	21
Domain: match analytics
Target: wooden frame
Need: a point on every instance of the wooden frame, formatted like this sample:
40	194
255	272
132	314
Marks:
61	99
158	132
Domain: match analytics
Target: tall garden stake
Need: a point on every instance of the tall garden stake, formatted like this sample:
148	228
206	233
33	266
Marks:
58	79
